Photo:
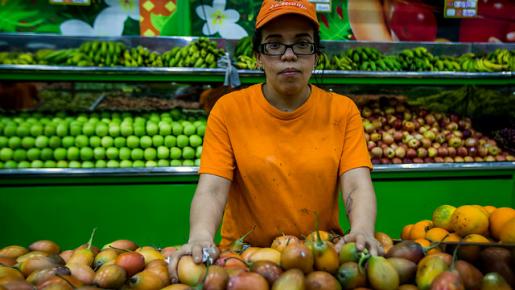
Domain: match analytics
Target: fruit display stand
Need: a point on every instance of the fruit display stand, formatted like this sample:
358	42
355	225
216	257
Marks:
151	205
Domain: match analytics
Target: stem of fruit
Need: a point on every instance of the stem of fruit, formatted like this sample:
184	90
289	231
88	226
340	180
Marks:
238	244
91	238
319	241
363	258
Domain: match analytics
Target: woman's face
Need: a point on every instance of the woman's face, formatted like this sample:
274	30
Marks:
288	73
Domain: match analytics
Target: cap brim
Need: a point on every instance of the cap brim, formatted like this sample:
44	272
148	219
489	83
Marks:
272	17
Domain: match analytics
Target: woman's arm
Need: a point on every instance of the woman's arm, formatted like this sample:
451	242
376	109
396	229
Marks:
360	206
207	208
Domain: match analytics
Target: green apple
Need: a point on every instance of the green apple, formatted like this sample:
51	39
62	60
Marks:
188	153
197	162
126	129
86	153
81	141
185	123
170	141
139	130
99	153
60	154
33	154
201	130
101	129
150	154
157	140
145	142
37	164
10	164
4	141
198	151
138	163
154	117
112	153
50	130
189	130
163	152
74	164
95	141
197	123
100	164
49	164
182	141
132	142
140	121
150	163
54	142
23	130
165	129
88	129
120	142
41	141
125	153
14	142
195	140
163	163
175	163
19	155
152	128
114	130
73	153
75	129
28	142
23	164
82	118
10	130
47	154
87	164
36	130
107	141
62	129
188	163
175	153
177	129
68	141
137	154
113	164
125	164
6	154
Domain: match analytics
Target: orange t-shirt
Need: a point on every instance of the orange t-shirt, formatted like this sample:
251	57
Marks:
284	166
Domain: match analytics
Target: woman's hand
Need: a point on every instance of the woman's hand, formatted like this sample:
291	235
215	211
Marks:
363	240
194	248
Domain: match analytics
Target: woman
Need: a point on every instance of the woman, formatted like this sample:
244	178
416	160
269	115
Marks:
276	153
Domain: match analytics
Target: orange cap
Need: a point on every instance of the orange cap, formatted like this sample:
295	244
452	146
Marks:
270	9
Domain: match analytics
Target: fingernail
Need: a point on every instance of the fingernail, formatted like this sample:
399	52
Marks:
174	280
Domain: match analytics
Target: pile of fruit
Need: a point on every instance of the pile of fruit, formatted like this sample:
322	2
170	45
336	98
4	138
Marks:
101	140
397	133
415	59
289	263
201	53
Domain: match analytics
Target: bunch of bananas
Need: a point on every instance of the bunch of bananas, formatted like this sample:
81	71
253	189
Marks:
56	57
141	56
201	53
245	62
446	63
244	47
17	58
496	61
416	59
324	62
98	53
362	54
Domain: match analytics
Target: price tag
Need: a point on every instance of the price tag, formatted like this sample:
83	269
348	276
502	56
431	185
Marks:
71	2
460	9
322	5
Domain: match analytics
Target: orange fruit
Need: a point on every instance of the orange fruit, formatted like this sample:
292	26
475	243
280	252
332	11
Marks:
442	216
385	240
469	219
419	229
498	218
489	209
452	237
508	231
471	253
405	235
426	243
436	234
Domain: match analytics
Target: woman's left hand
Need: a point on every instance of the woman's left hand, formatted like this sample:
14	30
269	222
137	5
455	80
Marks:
363	240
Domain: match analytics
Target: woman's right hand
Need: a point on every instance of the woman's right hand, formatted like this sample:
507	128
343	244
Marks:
193	248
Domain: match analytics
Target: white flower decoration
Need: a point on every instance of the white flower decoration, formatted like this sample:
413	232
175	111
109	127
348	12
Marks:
109	22
220	20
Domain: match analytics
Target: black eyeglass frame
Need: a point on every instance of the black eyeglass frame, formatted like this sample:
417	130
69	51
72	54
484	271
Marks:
286	46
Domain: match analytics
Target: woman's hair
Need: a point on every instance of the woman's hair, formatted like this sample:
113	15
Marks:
258	35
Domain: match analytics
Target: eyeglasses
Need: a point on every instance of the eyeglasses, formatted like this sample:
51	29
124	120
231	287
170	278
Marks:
277	48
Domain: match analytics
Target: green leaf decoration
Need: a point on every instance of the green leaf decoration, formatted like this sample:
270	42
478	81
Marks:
159	21
339	29
48	28
14	15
